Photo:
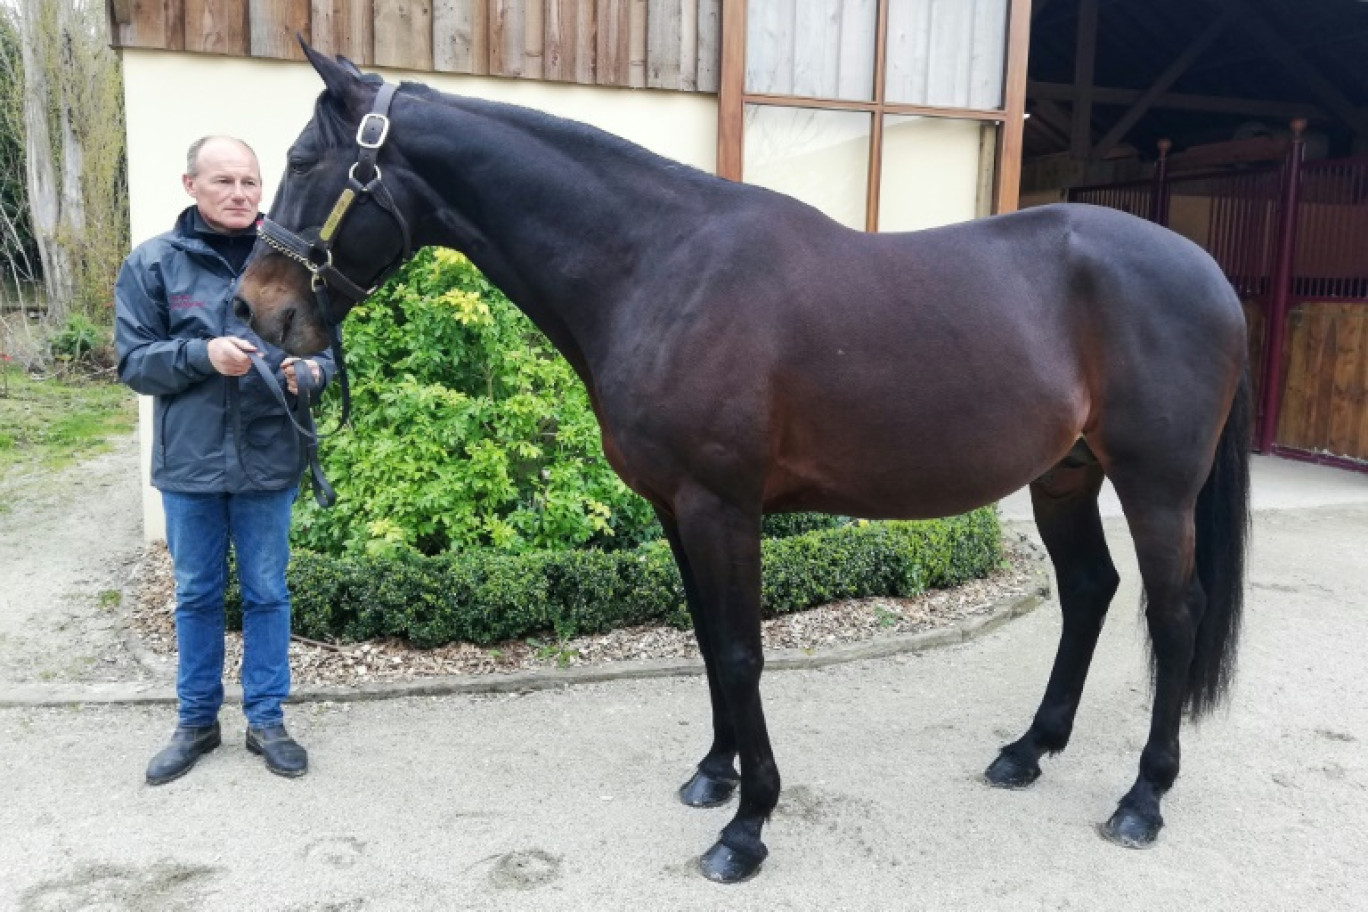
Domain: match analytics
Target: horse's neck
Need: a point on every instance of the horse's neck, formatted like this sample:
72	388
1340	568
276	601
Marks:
557	215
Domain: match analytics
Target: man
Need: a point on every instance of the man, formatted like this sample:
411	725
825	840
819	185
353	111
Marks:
224	454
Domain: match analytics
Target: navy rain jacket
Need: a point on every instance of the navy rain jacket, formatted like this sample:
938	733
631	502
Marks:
174	293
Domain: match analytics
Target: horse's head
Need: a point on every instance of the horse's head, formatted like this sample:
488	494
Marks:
338	219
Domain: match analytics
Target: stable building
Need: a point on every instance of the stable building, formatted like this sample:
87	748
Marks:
1235	122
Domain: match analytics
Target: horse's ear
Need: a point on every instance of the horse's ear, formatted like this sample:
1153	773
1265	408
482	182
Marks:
340	75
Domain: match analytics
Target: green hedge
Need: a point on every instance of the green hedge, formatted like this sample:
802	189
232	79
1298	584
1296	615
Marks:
468	430
484	597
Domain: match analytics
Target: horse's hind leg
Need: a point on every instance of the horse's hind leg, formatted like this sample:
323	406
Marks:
1065	506
715	778
1162	526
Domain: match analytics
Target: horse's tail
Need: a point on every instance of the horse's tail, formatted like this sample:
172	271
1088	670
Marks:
1222	526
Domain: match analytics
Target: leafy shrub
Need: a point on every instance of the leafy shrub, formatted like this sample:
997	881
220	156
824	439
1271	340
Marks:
468	431
784	525
77	339
483	597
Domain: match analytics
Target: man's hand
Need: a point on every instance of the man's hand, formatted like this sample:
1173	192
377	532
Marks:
228	354
288	368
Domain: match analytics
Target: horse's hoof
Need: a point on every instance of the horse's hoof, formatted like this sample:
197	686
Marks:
1130	829
722	864
1007	772
705	791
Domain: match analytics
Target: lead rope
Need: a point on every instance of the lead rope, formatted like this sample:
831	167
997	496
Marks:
300	416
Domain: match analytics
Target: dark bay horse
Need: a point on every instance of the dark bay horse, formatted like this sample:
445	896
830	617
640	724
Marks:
745	354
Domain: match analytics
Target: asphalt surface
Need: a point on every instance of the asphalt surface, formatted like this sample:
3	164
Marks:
564	798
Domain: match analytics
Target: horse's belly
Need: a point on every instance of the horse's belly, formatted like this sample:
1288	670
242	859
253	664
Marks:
917	470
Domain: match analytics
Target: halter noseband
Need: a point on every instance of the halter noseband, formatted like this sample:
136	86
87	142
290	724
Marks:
316	255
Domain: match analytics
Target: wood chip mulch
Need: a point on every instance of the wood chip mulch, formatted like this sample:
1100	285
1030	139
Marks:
311	662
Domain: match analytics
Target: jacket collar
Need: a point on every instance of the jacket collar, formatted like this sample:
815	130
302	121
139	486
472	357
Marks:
190	225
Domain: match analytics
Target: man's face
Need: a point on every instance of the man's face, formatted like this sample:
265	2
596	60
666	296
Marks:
226	186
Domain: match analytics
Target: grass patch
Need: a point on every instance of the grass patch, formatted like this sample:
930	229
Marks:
51	423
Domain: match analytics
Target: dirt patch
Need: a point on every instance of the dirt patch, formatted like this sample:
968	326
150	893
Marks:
68	540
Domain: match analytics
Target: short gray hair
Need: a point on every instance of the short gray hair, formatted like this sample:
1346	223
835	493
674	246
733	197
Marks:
192	154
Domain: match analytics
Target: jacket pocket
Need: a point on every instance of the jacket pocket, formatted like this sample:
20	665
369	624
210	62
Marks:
270	452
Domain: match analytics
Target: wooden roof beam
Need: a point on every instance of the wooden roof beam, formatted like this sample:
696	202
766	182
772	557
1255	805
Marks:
1053	114
1049	129
1254	22
1216	104
1085	57
1161	85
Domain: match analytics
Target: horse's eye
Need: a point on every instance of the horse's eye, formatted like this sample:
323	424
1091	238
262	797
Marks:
298	166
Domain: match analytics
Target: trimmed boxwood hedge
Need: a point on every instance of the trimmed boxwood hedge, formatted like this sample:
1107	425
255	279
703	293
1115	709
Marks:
484	597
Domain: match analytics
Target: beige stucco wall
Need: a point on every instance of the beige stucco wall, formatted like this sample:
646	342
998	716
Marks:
173	99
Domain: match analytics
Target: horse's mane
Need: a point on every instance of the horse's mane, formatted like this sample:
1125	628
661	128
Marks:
567	135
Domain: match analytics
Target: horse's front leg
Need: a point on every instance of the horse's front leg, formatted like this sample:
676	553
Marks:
715	778
722	545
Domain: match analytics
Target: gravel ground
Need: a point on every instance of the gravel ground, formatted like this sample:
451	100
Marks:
374	661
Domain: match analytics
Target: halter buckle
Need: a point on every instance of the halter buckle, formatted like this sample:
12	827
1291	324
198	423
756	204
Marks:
361	130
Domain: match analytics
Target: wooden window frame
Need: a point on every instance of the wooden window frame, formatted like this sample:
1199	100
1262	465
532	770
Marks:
732	99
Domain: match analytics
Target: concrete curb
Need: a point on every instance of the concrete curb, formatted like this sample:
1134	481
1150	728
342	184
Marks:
120	693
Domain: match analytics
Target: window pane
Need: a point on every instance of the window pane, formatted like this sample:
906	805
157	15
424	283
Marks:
820	157
936	170
812	48
947	53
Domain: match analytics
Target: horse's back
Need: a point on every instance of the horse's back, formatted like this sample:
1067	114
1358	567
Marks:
924	373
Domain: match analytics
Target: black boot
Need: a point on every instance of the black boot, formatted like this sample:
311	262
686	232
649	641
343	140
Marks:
284	756
187	745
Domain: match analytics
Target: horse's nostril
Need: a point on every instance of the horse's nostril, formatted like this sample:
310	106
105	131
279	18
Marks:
242	310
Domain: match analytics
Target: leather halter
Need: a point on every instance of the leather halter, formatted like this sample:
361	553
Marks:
313	251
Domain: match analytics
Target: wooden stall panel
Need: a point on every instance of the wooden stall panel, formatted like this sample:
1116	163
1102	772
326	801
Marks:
709	45
506	23
149	24
460	36
559	47
534	38
612	42
666	44
666	30
403	34
1324	407
637	43
344	27
586	41
273	25
1254	310
215	26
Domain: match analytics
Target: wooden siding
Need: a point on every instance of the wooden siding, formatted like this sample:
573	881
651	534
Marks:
940	53
666	44
1324	406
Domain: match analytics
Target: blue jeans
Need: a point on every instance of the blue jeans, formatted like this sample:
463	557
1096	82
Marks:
198	530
